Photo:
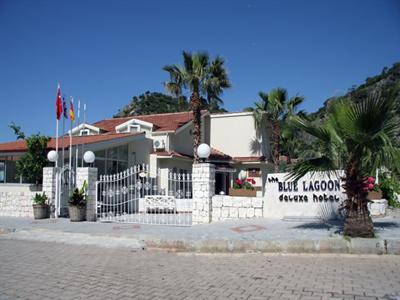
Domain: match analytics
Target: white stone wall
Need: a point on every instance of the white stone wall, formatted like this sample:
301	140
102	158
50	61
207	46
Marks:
90	175
230	207
17	201
49	187
203	181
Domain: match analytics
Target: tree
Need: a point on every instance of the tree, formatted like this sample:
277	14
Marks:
275	108
205	82
153	103
30	165
357	137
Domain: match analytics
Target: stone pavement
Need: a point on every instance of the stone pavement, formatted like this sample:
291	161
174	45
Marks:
43	270
257	235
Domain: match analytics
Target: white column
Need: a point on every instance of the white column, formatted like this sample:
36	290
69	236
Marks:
90	176
49	187
203	181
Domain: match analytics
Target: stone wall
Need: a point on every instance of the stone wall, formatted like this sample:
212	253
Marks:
16	200
90	176
229	207
203	182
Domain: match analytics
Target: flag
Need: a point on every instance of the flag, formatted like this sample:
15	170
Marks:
59	108
71	110
65	108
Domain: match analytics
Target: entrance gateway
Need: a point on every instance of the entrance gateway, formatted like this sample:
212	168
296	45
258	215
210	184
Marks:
138	195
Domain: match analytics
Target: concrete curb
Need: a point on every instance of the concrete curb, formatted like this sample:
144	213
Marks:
334	246
150	242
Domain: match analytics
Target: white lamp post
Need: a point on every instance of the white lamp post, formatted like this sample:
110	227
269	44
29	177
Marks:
203	151
89	157
52	156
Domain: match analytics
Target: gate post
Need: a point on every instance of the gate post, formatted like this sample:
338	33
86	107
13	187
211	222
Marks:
90	176
49	187
203	182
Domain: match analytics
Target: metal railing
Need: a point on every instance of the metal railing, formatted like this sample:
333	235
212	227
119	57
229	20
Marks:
138	195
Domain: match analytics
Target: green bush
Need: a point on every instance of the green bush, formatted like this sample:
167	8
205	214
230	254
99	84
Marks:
390	187
40	199
78	196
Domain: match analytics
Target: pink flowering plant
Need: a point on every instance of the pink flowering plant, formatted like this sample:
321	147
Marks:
370	185
246	184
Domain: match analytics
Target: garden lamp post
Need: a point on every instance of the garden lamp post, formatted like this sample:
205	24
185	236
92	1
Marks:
203	151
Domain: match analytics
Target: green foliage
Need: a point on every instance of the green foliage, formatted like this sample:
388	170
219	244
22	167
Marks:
40	199
79	196
17	131
276	109
355	136
390	186
153	103
30	165
208	79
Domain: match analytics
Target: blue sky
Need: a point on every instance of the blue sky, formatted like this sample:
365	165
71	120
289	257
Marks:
105	52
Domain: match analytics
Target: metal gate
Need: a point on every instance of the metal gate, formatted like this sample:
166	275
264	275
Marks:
137	195
66	183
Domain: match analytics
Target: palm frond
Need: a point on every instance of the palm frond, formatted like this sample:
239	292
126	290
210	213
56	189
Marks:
320	164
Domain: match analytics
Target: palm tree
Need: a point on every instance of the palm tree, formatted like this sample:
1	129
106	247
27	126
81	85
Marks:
275	108
204	80
357	138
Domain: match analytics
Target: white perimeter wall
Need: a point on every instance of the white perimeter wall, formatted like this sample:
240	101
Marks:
16	200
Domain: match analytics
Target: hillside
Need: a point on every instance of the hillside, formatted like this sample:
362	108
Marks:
388	83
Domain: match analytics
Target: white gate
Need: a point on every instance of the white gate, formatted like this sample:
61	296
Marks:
137	195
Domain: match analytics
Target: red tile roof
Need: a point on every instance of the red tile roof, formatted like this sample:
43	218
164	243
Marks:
162	122
172	154
20	145
214	155
219	155
249	158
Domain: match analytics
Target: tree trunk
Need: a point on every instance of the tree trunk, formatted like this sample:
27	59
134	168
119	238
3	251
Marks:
195	104
275	145
358	222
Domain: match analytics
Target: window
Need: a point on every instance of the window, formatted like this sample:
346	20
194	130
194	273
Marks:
255	172
84	132
133	128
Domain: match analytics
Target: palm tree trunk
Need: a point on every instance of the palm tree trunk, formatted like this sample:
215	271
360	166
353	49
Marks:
358	222
195	104
275	145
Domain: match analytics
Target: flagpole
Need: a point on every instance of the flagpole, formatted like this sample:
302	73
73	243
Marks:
77	147
58	113
70	145
84	122
63	130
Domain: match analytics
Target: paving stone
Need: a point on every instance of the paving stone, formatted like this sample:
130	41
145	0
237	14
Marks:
43	270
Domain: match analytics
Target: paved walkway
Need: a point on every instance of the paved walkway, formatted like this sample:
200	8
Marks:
230	236
40	270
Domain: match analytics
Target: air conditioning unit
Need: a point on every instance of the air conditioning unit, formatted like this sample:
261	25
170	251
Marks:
159	144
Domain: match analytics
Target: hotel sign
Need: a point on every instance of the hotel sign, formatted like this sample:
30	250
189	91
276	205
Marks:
310	196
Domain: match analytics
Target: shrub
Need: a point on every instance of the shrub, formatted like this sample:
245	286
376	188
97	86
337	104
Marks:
78	196
390	187
40	199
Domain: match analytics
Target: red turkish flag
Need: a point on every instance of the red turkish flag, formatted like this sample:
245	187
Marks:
59	108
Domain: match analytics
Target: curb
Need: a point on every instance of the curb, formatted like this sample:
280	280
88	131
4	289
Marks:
146	242
333	246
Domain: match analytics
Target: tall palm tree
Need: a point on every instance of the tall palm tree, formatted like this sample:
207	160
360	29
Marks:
357	138
275	108
205	82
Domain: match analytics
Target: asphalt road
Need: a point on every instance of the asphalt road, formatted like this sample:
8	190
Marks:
43	270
